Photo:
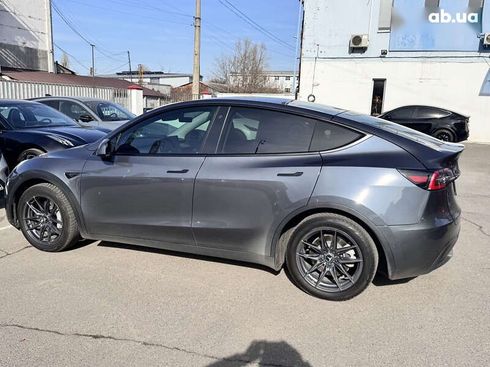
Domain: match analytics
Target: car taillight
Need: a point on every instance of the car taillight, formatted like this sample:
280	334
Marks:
430	181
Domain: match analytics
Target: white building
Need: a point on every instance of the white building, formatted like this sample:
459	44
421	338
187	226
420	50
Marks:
281	81
26	35
429	52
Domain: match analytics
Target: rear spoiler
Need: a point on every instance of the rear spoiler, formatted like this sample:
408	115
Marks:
445	156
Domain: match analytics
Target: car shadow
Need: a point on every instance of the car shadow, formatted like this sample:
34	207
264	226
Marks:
381	280
2	201
187	256
264	353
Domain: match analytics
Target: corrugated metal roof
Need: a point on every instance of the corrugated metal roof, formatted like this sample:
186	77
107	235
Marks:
67	79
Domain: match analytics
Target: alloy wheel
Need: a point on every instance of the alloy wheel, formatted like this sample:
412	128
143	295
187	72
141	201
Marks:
329	259
43	219
444	136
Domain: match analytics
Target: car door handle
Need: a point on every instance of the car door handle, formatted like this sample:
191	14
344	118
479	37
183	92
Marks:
178	171
290	174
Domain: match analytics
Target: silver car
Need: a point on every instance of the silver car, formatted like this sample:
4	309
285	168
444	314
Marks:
332	195
90	112
3	175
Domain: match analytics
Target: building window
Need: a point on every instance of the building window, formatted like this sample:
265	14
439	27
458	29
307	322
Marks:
384	23
287	90
276	78
288	78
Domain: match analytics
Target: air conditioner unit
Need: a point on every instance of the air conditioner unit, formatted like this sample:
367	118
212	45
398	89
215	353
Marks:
359	41
486	39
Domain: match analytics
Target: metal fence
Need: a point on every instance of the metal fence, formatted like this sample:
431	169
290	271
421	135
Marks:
13	89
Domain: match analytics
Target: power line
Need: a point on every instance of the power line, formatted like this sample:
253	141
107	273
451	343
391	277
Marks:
70	24
73	57
254	24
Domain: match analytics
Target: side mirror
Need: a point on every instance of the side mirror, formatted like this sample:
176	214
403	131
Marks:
85	118
105	150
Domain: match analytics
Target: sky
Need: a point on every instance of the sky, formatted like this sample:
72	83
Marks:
160	33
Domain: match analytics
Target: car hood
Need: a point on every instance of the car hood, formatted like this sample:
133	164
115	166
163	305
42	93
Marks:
77	135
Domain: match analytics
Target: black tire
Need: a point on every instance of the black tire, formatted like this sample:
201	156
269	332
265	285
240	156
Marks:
444	135
346	286
68	231
29	153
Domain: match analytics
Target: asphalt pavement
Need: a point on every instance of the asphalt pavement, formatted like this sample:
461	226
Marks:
107	304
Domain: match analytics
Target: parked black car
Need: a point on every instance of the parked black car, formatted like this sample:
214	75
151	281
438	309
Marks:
438	122
28	129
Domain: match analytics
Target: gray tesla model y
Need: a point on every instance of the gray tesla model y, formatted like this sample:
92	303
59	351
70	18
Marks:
332	195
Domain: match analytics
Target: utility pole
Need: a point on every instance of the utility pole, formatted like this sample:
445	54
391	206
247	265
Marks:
51	63
92	70
196	75
130	72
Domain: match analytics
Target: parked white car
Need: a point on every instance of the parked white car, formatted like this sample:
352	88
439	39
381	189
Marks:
89	112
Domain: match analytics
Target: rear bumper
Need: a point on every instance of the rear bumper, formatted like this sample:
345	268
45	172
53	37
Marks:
421	248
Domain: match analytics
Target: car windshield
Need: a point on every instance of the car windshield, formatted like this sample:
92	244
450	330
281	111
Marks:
33	115
108	111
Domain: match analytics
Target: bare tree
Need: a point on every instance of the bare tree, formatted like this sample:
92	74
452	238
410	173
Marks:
243	71
65	60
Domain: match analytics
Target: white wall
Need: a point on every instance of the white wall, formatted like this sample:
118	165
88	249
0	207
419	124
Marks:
453	80
25	34
455	85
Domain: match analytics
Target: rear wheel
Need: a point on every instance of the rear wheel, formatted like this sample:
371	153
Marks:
444	135
47	219
29	154
332	257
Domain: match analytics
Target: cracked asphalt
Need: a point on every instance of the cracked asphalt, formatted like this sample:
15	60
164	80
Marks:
111	305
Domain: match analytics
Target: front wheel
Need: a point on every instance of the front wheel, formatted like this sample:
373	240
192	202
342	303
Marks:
331	257
47	219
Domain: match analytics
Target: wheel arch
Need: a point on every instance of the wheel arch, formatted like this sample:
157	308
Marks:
286	228
38	177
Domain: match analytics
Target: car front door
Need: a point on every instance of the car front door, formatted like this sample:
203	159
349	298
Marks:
78	112
144	191
402	116
261	172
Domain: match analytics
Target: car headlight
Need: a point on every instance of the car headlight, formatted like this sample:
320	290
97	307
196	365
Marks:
62	140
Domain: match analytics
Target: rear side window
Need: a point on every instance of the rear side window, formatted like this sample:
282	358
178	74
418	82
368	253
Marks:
430	113
256	131
53	104
330	136
402	113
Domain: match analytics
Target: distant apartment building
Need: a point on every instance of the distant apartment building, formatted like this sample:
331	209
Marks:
279	81
374	56
26	41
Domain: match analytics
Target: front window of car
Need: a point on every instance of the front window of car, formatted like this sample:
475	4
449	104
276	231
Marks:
33	115
173	132
108	111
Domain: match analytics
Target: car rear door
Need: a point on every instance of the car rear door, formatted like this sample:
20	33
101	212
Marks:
145	190
426	119
262	171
